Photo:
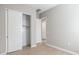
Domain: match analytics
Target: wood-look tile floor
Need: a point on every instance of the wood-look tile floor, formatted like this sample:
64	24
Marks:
41	49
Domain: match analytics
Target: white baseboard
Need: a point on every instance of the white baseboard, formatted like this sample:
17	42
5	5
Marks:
65	50
3	54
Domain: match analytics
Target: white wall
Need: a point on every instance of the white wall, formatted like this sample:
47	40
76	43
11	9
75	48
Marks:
63	26
33	29
38	30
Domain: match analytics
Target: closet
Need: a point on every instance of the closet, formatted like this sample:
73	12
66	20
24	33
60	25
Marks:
18	32
14	30
26	30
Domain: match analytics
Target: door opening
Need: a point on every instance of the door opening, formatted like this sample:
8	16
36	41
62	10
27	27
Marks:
43	29
26	31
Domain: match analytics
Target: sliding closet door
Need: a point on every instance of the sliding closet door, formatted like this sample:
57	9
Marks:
2	32
14	30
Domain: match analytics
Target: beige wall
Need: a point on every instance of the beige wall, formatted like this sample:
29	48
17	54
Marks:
63	26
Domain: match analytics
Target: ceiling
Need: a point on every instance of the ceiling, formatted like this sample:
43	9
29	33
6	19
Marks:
43	7
27	7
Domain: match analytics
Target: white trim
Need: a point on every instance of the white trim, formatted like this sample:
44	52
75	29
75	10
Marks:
3	54
62	49
6	22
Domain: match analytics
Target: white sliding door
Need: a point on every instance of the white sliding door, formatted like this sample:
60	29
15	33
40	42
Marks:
2	32
14	30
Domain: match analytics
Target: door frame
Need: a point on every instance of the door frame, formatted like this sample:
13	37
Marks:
45	17
6	29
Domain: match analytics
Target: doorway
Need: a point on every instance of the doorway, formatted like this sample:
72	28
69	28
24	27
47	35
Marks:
43	29
26	31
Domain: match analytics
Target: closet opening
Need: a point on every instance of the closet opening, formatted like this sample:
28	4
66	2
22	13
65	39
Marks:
26	40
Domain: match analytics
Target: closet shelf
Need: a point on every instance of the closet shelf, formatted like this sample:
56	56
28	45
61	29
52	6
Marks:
26	25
